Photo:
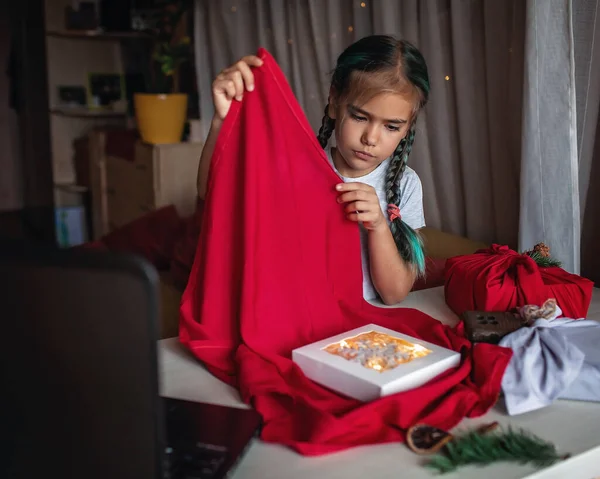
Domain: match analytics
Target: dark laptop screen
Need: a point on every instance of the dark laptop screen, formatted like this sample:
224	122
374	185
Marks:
78	366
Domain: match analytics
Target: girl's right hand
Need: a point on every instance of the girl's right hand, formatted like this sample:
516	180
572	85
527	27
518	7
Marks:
231	83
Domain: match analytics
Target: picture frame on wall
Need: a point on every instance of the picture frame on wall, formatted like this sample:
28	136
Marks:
72	96
106	91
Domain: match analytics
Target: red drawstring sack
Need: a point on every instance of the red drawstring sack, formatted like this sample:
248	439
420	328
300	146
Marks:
500	279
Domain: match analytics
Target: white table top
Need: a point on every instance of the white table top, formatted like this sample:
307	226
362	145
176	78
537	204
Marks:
574	427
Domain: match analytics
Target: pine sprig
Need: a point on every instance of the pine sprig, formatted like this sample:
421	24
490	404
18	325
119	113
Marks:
544	261
482	449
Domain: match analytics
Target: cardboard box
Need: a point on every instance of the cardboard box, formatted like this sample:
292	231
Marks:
362	376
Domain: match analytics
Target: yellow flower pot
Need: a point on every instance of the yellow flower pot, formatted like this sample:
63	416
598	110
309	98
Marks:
160	118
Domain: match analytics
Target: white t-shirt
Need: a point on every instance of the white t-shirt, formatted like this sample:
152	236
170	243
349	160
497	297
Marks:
411	208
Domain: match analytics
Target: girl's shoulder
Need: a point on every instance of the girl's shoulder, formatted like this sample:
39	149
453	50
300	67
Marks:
410	177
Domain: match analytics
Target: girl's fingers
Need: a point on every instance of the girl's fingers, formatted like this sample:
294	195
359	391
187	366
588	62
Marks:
353	196
230	89
226	87
252	60
247	75
363	206
236	77
241	74
354	186
224	74
364	217
232	82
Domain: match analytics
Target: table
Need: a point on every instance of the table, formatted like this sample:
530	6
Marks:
574	427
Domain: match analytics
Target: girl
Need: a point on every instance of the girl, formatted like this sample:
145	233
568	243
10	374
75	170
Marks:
378	87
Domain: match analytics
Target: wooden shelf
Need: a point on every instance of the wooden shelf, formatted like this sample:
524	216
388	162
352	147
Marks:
97	34
71	188
87	113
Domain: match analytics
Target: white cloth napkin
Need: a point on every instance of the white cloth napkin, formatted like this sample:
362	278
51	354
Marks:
556	358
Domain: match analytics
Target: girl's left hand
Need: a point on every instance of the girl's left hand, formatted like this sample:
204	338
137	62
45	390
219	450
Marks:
362	205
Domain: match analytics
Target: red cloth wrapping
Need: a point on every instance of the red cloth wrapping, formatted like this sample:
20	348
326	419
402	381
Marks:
153	236
278	266
435	274
500	279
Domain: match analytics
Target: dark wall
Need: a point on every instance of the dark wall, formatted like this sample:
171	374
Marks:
11	187
590	229
25	147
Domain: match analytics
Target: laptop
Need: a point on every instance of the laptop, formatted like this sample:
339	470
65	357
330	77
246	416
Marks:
79	395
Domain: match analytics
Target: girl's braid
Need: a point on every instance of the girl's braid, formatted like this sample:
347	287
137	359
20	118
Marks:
397	166
326	129
407	240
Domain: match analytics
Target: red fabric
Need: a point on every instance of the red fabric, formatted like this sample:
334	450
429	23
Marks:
435	271
161	237
278	266
500	279
152	236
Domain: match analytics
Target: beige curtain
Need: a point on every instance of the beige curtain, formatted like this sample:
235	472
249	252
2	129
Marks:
467	151
587	77
550	209
559	179
470	160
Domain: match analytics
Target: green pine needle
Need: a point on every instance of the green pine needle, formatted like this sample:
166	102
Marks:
544	261
482	449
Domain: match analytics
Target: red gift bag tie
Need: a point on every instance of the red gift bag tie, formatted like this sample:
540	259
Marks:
524	271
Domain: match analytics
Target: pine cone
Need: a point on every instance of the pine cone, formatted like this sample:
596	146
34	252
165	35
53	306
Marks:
542	249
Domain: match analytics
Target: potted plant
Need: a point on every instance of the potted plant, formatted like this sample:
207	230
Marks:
161	113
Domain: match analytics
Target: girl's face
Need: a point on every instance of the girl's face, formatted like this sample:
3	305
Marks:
368	134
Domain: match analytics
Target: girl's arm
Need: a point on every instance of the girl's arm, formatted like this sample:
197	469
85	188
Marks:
231	83
207	152
390	275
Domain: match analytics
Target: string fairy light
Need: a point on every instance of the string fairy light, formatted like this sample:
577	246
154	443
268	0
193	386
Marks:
446	78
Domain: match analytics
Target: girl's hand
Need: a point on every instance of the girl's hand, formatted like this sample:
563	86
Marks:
231	83
361	204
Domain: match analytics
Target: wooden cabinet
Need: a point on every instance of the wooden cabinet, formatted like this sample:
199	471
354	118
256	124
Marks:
124	189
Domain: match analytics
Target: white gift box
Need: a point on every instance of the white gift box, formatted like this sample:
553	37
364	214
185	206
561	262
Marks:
365	383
